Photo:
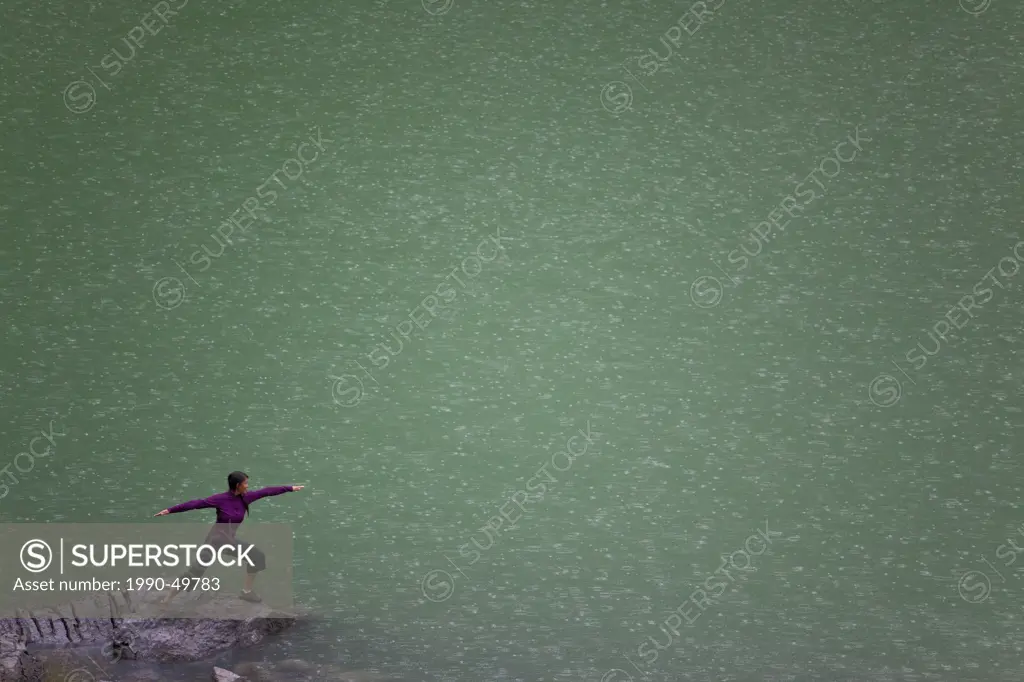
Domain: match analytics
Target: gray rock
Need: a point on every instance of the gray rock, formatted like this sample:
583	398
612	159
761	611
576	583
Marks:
222	675
192	628
21	667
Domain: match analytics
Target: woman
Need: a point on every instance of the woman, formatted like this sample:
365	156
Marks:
232	508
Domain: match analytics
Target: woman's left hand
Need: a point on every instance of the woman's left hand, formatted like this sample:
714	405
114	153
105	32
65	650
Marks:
297	487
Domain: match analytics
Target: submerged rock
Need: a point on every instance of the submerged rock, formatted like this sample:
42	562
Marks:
295	669
221	675
296	666
255	672
336	675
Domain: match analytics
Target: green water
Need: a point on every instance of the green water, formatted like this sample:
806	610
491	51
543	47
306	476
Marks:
441	130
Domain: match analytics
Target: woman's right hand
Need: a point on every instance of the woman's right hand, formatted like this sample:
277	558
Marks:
162	513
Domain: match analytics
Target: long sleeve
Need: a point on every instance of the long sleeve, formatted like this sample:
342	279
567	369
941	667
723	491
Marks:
194	504
266	492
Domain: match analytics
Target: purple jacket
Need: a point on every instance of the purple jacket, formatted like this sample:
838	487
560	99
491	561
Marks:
230	507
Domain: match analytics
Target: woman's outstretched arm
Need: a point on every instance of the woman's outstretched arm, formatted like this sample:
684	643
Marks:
254	495
189	506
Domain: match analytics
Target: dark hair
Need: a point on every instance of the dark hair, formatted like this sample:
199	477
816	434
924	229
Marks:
236	478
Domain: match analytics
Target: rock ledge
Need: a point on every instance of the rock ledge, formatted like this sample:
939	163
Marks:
194	627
